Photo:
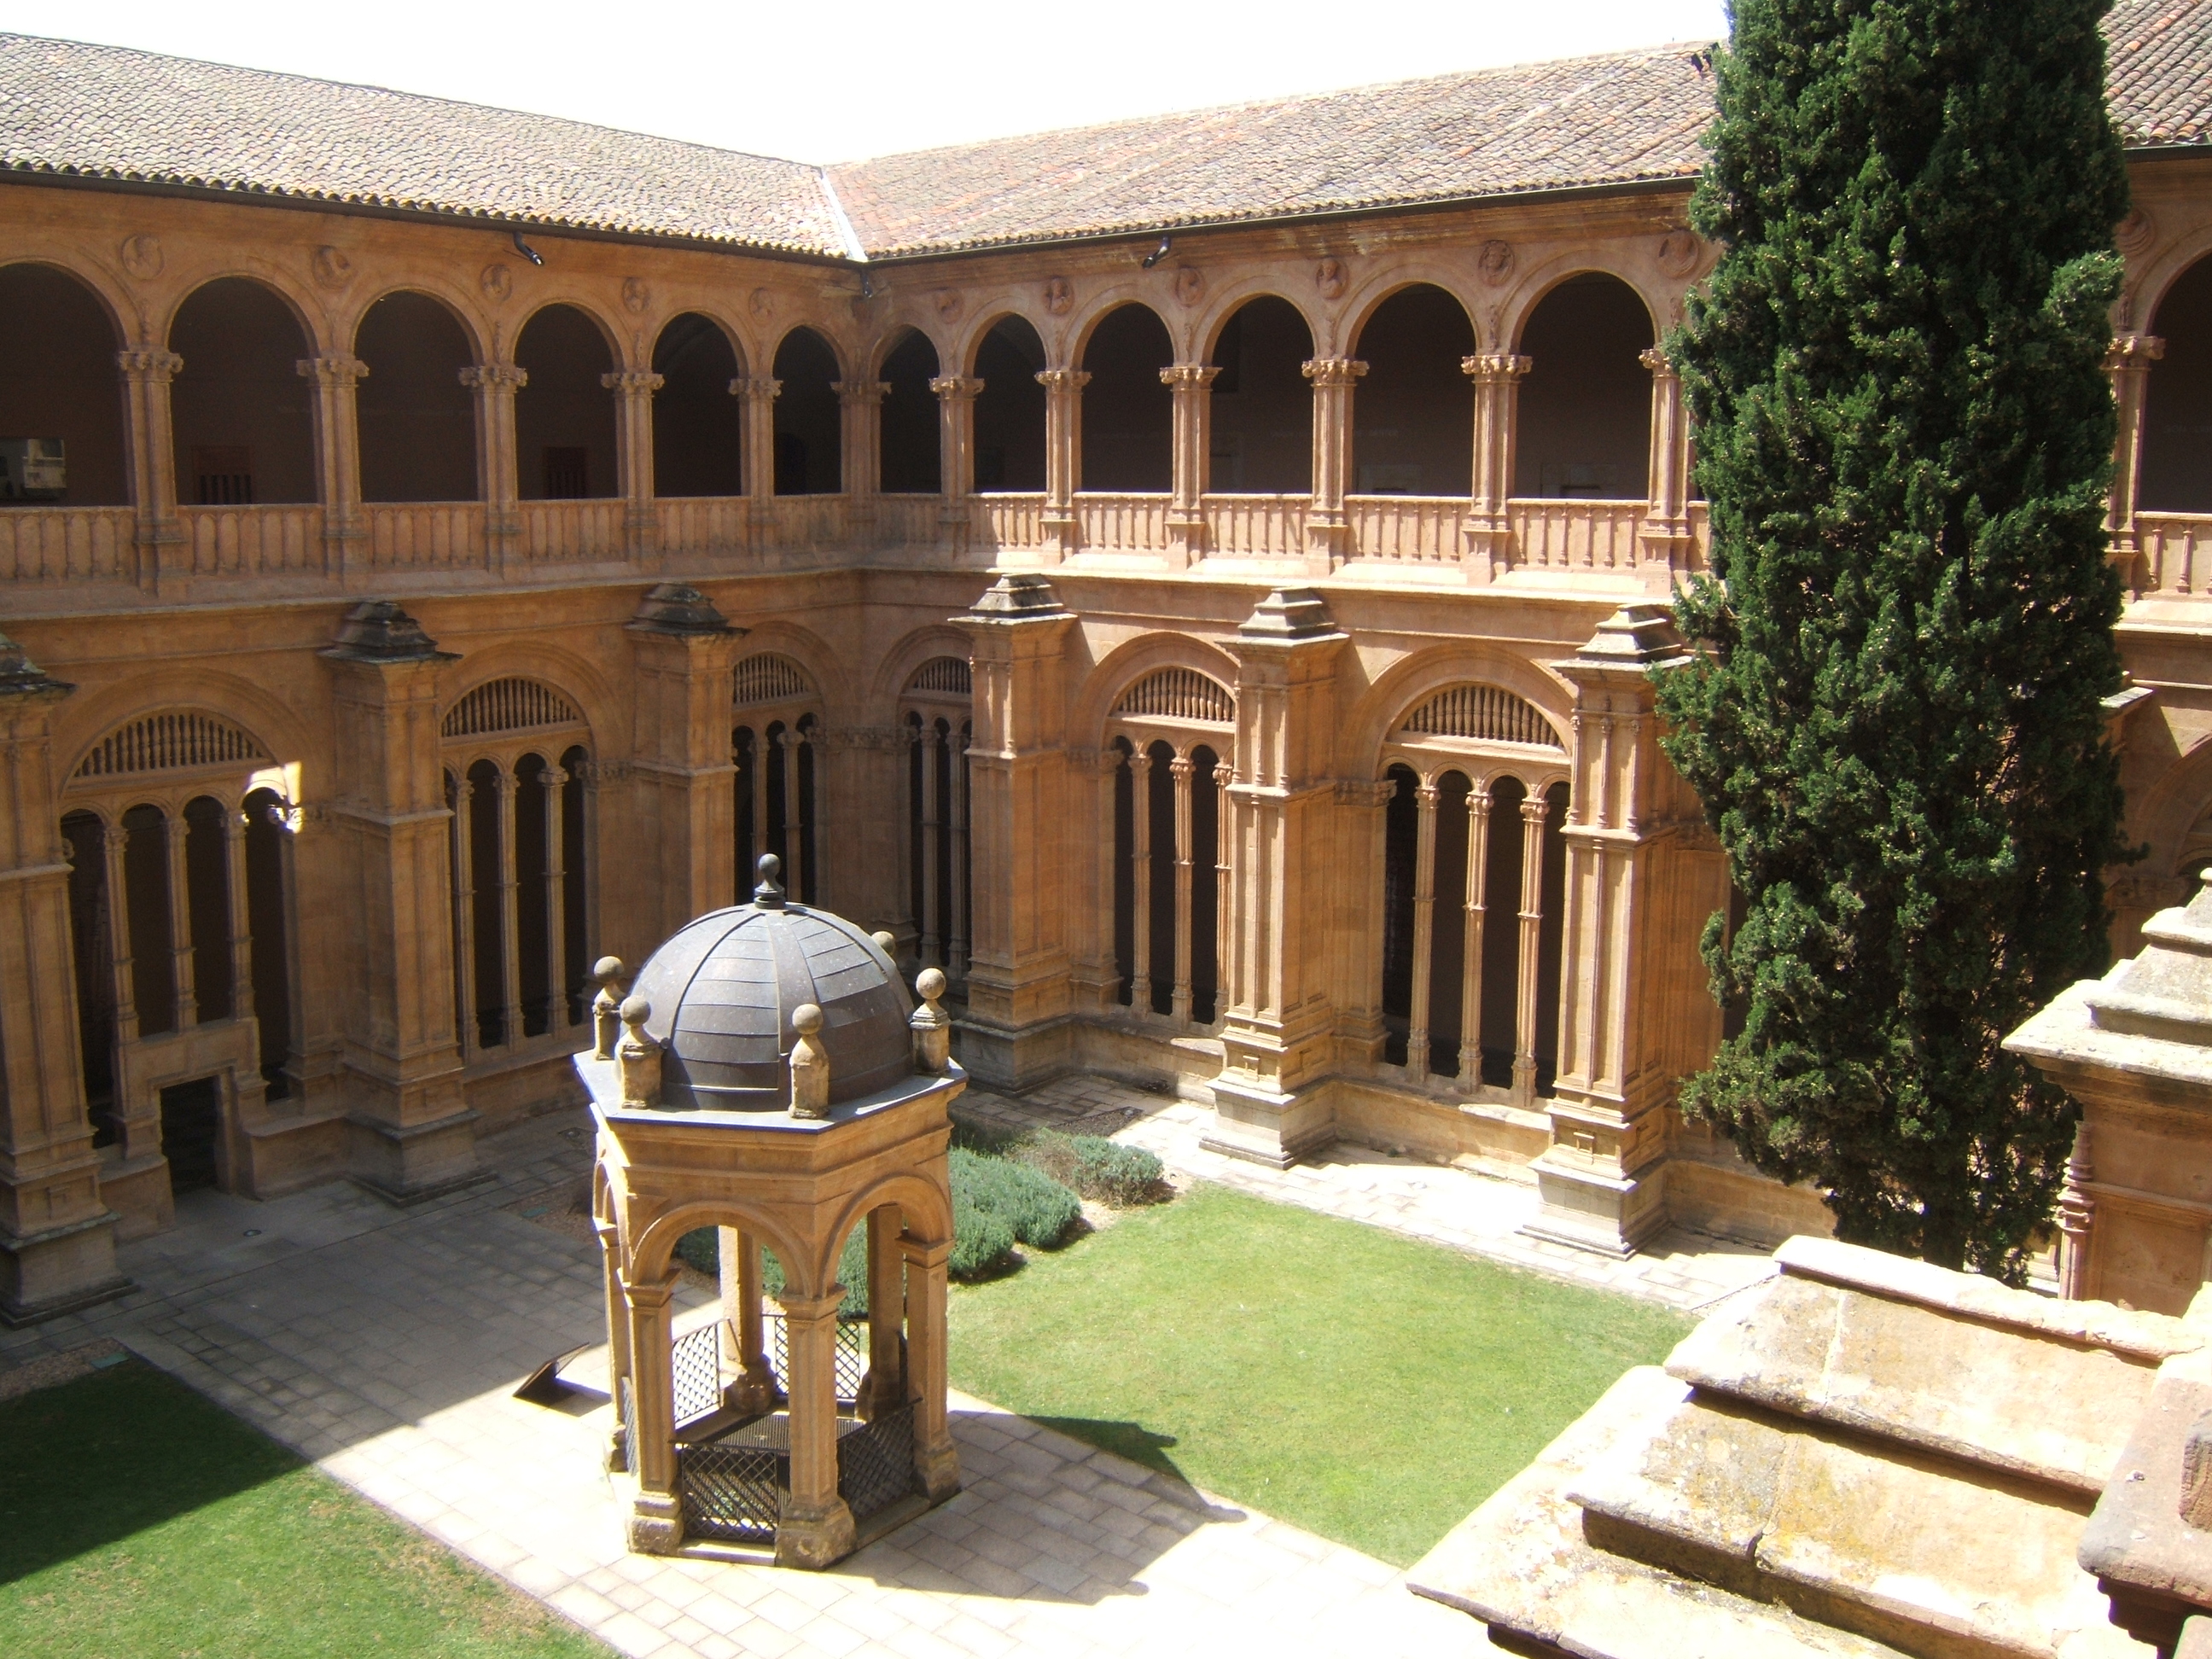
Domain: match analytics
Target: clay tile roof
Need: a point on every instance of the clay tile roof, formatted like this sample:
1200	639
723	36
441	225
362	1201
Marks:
106	112
2160	71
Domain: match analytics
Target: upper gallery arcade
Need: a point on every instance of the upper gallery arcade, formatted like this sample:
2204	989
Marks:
1192	580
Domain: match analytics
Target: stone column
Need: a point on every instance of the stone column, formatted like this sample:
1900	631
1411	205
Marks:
1642	878
885	1386
1536	813
936	1459
815	1527
633	457
2128	362
1193	385
412	1134
1665	534
337	456
861	430
1179	770
618	1366
460	849
656	1516
185	1011
752	1388
955	452
557	965
1268	1106
507	787
1063	459
1470	983
1141	882
495	384
929	923
1496	379
1015	1029
1424	924
1329	533
160	536
756	398
955	950
681	863
56	1234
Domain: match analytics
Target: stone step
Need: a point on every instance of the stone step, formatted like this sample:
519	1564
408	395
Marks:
1954	1367
1932	1557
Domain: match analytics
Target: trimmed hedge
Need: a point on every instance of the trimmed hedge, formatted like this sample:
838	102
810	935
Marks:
1098	1169
1039	1210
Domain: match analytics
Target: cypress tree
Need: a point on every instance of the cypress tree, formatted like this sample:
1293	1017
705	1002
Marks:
1894	719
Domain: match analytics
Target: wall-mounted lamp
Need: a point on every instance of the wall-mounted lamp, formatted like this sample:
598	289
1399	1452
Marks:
526	251
1159	252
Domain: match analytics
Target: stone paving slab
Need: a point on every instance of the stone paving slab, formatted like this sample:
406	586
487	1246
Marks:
386	1343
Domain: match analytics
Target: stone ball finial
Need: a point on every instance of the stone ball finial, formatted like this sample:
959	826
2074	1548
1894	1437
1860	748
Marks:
606	1018
810	1064
887	942
929	985
769	895
931	1024
806	1019
636	1010
608	970
638	1056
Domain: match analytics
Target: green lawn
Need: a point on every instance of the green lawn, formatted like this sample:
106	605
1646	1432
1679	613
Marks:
138	1519
1363	1385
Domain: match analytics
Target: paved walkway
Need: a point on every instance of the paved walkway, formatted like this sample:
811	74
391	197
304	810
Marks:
386	1345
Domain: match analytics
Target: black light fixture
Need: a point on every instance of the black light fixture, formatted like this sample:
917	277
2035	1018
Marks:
526	251
1159	252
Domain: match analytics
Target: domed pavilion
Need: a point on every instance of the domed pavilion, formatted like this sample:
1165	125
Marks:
768	1075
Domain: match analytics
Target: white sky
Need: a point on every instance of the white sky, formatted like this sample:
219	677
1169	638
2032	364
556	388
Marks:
830	80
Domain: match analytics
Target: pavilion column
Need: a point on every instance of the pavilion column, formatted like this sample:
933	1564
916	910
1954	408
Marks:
1063	458
185	1012
1179	770
955	451
337	455
1496	377
1665	534
1192	386
497	479
1141	881
756	398
1643	874
618	1365
1015	1027
2128	361
885	1386
1328	532
936	1459
411	1133
556	783
815	1527
1470	983
752	1388
656	1518
1270	1104
160	535
634	456
682	862
1535	812
56	1234
1424	913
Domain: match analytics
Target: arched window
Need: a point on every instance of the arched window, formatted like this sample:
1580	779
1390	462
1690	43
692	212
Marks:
1129	413
912	452
698	437
518	770
934	713
776	724
57	392
1010	410
1473	885
1584	420
1412	416
2177	435
1173	730
1263	407
239	407
417	422
809	446
564	418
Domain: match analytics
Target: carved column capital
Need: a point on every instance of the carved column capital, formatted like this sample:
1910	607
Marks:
331	371
1334	371
860	393
495	377
1189	377
1063	379
632	385
1656	359
150	367
1494	367
956	388
756	390
2138	351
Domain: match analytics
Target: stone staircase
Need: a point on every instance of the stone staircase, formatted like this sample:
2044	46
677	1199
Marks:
1861	1456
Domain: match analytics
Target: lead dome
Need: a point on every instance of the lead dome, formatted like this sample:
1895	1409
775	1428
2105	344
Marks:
723	990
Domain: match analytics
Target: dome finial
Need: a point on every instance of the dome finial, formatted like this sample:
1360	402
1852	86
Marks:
931	1025
767	895
810	1064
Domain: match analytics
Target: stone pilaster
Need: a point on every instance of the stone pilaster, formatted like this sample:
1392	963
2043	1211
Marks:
1274	952
1063	458
146	378
1665	534
1192	385
411	1134
1329	533
684	651
756	408
860	437
56	1234
1015	1029
1642	878
495	384
337	455
1489	532
633	457
955	451
2128	362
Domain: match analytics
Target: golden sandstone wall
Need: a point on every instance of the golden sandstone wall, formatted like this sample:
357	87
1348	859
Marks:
1399	689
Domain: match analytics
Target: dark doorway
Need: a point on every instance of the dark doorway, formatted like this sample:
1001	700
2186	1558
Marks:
418	422
1263	436
58	381
240	408
564	419
911	448
1010	410
698	435
808	461
191	1122
1585	409
2177	438
1413	413
1129	413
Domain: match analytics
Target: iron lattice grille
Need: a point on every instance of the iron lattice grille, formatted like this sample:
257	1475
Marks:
1179	694
628	1423
730	1492
510	705
875	1462
170	743
947	675
1487	713
696	1361
768	678
852	1352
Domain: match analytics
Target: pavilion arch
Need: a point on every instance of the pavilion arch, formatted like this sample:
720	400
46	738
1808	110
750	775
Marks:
1128	419
59	340
1261	403
241	412
1584	421
649	1253
565	445
1412	414
1411	681
698	428
809	423
2177	420
417	420
910	447
1007	355
925	1208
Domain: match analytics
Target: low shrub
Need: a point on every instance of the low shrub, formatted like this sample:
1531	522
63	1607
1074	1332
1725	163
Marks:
698	1249
1039	1210
981	1239
1097	1169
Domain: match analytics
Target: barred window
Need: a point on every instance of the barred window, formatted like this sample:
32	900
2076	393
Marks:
171	742
1179	694
1486	714
509	705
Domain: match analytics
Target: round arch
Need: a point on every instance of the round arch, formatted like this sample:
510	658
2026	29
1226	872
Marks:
1128	419
809	425
1584	415
698	428
898	665
59	340
1261	402
910	446
843	700
417	420
85	720
564	417
1412	680
240	411
1007	353
1129	662
1413	413
549	664
456	305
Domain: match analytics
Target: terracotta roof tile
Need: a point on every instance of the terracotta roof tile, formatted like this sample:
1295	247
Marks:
2160	71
